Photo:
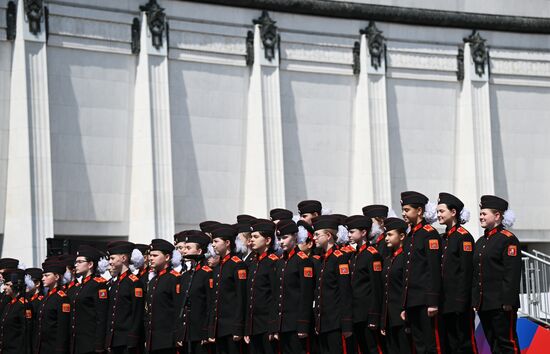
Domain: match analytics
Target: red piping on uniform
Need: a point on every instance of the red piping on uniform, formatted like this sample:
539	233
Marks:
437	342
344	348
308	350
378	346
512	333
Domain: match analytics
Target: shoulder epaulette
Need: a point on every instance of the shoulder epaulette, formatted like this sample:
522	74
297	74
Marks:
206	268
62	293
22	300
337	253
507	233
347	249
316	256
100	280
372	250
236	259
133	278
175	273
428	228
40	297
302	255
273	257
462	231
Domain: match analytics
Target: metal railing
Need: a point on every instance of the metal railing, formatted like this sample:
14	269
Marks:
535	287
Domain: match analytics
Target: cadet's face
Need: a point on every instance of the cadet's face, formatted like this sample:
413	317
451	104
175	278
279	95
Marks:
287	242
306	246
115	263
488	219
158	260
192	249
410	214
308	217
8	288
258	242
321	238
444	215
394	239
82	265
49	279
180	246
357	235
221	247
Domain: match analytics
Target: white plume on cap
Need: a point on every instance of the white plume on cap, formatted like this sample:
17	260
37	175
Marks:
102	265
509	218
391	213
137	259
375	230
176	258
151	274
240	247
296	217
21	266
67	277
133	269
342	235
430	212
301	236
276	245
464	216
29	282
326	211
210	252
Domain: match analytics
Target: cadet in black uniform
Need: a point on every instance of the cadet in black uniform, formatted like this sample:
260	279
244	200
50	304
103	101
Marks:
163	300
456	274
497	276
34	292
227	326
392	324
52	316
422	248
377	213
6	263
16	317
333	310
295	292
197	285
366	286
89	305
126	302
262	286
242	242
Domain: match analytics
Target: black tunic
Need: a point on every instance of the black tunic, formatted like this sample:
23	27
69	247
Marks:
393	290
422	248
16	327
125	315
89	316
195	313
229	307
52	323
295	293
161	310
366	285
262	286
456	270
333	309
497	270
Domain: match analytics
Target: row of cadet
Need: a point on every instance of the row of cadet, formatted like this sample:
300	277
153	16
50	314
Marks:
307	283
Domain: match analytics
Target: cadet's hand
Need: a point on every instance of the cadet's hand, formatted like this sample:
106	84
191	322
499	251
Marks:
247	339
507	307
372	326
179	344
237	338
302	335
204	341
383	332
432	311
211	340
276	336
403	315
347	334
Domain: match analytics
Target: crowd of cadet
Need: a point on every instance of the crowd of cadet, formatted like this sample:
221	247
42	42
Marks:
306	283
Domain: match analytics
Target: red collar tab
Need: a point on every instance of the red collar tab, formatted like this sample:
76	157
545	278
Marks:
262	256
162	272
123	275
380	237
363	247
417	227
450	232
87	279
226	258
51	292
398	252
492	232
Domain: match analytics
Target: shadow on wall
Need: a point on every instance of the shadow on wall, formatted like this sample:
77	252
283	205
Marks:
397	164
501	184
